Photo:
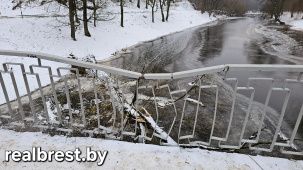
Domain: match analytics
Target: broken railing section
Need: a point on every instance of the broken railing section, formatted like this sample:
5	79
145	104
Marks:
128	100
144	106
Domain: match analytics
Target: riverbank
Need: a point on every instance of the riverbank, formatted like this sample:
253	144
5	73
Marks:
296	22
51	34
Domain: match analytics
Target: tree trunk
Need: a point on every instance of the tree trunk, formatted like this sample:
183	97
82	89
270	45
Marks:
161	7
95	10
292	13
167	12
71	19
153	18
146	4
121	5
138	3
86	32
75	11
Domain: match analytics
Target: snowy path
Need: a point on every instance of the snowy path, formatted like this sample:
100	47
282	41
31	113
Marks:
140	156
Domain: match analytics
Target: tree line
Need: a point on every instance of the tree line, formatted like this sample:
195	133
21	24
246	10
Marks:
275	8
227	7
76	6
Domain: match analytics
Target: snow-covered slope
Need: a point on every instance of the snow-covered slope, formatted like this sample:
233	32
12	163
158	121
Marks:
52	34
298	24
296	21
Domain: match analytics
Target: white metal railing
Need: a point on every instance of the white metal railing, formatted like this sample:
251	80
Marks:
139	101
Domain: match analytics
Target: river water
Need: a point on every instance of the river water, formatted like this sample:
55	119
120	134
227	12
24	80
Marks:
227	42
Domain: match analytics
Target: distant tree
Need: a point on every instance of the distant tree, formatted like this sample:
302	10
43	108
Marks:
293	6
274	8
230	7
212	5
85	20
234	8
138	3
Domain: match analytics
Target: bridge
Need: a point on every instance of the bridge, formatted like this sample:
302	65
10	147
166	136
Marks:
207	107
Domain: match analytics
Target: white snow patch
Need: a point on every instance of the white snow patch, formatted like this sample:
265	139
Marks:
51	112
296	21
298	25
125	155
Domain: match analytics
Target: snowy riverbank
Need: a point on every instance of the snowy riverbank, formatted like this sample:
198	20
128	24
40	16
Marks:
52	34
296	21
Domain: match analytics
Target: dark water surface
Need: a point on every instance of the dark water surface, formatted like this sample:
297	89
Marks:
228	42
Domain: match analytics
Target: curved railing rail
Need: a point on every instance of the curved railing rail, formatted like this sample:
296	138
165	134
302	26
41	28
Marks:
176	75
167	106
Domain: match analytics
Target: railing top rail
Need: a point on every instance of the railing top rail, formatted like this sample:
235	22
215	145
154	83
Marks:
176	75
65	60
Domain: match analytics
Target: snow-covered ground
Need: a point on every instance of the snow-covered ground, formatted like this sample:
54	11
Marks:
297	24
280	44
52	34
296	21
140	156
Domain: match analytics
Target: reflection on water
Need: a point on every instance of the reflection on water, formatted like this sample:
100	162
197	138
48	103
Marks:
229	42
155	55
212	43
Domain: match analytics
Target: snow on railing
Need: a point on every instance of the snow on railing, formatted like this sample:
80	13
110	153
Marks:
201	107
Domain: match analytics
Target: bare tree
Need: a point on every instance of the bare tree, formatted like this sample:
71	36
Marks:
234	8
274	8
71	19
121	6
212	5
153	12
146	4
229	7
85	20
18	5
95	11
293	6
138	3
167	11
161	7
75	12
